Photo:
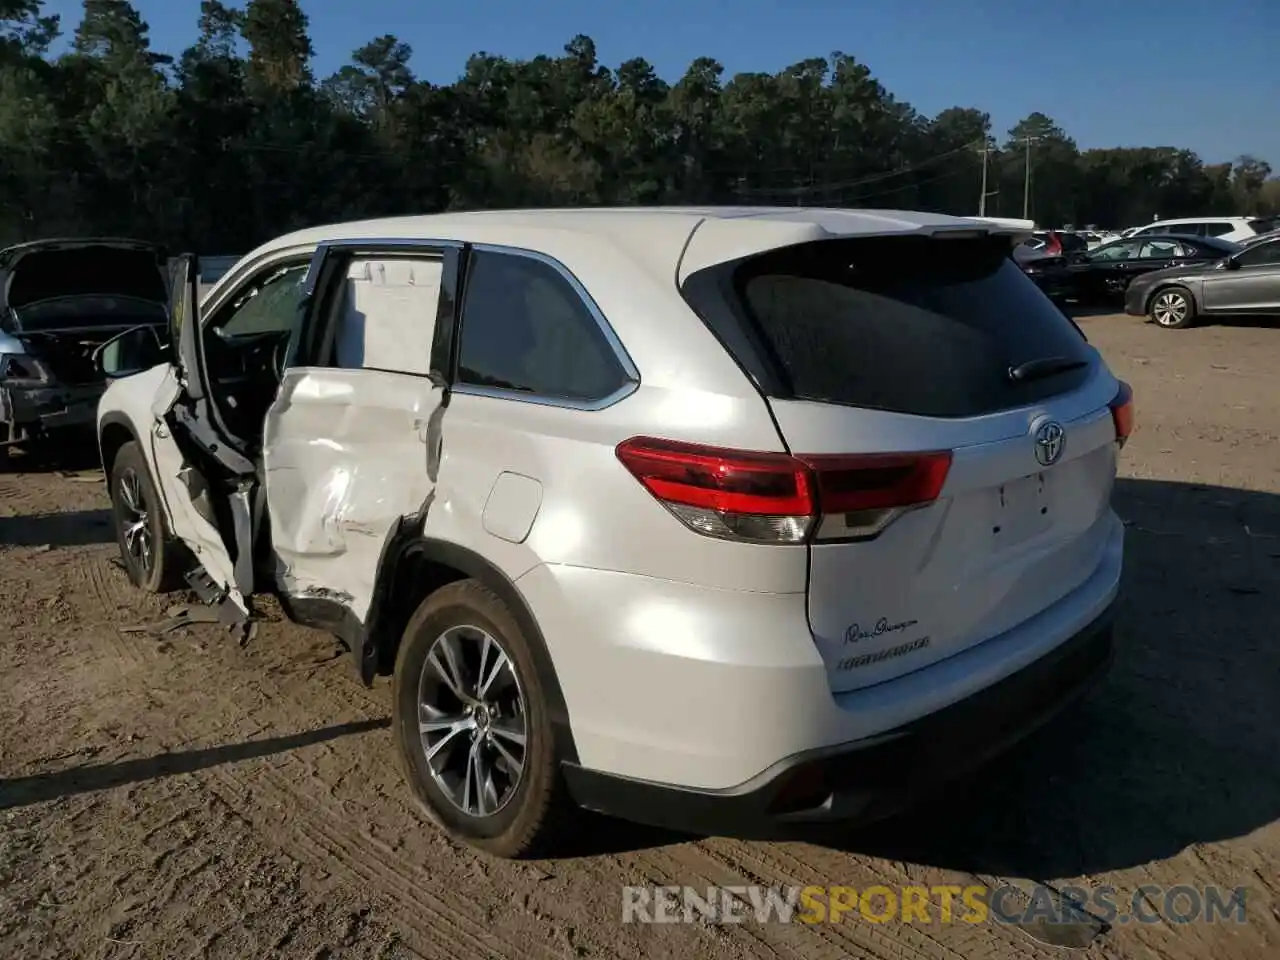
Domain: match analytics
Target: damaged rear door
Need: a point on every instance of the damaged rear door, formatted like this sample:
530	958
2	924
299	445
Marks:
207	485
353	440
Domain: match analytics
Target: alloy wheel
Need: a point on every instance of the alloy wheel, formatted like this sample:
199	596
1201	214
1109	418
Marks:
135	522
1169	309
472	720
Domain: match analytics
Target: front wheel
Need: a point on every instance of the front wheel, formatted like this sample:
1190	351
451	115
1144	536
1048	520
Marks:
471	724
151	557
1173	309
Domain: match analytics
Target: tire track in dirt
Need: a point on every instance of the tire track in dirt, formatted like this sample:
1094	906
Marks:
165	892
93	575
824	866
330	844
16	494
329	836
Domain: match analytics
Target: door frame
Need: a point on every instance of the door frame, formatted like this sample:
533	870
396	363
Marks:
318	319
312	343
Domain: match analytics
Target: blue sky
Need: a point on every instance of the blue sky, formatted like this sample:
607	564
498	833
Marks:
1131	73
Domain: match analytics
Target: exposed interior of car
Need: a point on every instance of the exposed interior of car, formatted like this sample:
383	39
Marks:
244	344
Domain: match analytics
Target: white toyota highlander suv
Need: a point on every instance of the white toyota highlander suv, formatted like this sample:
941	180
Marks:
730	520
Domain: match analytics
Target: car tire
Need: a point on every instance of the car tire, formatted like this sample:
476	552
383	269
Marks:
450	627
1172	308
151	557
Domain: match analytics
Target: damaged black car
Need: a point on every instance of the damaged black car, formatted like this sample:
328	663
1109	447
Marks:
59	301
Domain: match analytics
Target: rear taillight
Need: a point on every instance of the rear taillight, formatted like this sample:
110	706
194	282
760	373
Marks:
778	498
1122	413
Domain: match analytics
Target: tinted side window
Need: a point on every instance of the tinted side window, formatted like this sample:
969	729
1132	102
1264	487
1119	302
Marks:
1158	250
909	325
1125	250
1218	228
1263	254
526	328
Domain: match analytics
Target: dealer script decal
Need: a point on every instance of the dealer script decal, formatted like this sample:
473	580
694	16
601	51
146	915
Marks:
855	633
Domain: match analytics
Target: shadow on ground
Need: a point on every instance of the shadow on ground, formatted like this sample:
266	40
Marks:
23	791
75	528
73	450
1081	311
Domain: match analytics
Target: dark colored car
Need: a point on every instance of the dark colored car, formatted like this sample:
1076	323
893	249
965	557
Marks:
1246	282
1103	274
59	301
1044	244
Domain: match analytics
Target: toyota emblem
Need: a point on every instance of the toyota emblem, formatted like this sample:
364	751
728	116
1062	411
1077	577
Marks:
1050	439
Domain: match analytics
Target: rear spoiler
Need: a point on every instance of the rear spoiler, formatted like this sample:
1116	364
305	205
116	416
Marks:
1018	229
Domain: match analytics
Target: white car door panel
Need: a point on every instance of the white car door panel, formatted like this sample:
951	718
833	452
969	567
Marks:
353	438
346	456
182	486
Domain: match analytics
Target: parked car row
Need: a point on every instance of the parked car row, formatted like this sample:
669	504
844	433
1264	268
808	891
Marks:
1103	274
1173	272
1235	229
1245	282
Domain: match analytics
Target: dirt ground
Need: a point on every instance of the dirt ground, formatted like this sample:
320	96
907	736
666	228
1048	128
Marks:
187	797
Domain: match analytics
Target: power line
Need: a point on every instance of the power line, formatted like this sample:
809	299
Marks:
908	186
862	181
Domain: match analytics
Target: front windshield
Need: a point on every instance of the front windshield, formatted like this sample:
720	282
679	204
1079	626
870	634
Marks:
87	311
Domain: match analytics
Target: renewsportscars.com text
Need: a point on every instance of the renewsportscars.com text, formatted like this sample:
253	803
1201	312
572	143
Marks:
973	904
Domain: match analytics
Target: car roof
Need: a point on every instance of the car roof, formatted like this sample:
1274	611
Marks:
661	237
1159	223
1213	242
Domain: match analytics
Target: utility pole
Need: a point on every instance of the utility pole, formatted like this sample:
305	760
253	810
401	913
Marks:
982	197
1026	181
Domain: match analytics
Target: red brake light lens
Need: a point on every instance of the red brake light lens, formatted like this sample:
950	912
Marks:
1122	412
879	481
732	481
777	498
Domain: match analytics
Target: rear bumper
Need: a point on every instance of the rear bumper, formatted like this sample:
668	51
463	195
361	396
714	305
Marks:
33	411
867	779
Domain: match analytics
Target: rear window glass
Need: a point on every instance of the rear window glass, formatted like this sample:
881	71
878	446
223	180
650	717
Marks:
909	325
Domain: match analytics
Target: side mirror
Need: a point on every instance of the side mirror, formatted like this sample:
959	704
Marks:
1230	263
133	351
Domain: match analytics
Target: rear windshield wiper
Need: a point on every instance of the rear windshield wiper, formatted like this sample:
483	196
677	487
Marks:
1044	367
